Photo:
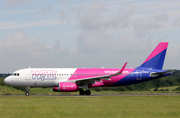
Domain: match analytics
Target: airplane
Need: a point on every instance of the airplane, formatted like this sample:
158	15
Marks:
78	79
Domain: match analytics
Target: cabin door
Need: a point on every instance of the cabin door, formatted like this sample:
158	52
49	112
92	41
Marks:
27	75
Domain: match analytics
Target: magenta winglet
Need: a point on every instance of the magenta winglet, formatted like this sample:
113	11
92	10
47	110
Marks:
122	69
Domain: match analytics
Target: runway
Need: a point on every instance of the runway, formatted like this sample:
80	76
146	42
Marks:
61	95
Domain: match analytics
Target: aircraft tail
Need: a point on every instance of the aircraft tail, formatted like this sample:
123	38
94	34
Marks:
156	58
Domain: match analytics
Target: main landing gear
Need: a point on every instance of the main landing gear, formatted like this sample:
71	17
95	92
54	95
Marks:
82	92
27	91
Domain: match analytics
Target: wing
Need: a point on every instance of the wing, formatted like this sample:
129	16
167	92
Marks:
92	80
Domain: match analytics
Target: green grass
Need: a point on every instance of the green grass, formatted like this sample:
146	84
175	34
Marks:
91	107
49	91
5	90
39	89
164	88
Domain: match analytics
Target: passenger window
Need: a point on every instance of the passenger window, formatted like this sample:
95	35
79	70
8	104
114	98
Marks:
17	74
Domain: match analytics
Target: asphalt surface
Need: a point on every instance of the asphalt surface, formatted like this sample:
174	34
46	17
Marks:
139	94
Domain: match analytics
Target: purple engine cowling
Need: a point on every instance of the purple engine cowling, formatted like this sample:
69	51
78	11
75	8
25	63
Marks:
66	87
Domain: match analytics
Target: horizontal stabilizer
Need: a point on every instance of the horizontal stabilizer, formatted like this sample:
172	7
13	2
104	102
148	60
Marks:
154	74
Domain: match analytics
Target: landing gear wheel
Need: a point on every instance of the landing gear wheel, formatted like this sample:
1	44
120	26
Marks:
27	93
81	92
88	92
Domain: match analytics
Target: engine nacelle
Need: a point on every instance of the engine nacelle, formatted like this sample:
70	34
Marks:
66	87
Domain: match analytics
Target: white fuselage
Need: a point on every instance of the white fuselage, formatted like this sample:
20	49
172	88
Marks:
40	77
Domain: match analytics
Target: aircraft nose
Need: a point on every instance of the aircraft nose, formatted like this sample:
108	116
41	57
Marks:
6	80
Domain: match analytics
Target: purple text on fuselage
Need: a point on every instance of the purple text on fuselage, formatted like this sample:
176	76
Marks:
43	74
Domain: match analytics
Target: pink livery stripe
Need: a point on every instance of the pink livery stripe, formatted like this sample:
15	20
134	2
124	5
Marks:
81	73
161	47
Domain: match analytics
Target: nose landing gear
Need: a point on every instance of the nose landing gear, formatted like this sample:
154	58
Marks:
27	91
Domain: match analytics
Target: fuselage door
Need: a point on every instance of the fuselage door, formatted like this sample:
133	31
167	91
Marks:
139	74
27	75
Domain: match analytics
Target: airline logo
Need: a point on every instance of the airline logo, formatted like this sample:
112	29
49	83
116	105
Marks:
109	71
43	74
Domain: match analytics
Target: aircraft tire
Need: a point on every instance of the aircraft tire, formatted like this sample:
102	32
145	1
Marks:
88	92
27	93
81	92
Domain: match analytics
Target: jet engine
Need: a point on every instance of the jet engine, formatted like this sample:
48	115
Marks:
66	87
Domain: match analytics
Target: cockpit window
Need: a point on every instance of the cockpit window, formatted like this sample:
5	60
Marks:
15	74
